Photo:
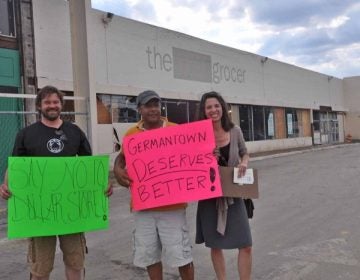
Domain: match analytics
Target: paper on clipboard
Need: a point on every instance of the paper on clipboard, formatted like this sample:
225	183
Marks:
231	189
247	179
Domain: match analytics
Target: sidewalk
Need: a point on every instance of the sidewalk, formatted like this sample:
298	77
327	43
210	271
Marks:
299	150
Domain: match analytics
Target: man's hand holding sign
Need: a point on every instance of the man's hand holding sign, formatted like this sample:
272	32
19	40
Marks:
172	165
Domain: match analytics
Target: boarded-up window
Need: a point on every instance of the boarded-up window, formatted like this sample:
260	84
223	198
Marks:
280	132
306	126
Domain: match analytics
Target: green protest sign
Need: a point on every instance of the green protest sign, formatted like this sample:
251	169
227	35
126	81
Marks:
57	195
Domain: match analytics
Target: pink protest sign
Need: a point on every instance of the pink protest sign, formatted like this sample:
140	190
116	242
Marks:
172	165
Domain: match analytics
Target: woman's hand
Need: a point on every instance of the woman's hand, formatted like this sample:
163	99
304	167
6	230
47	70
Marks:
242	169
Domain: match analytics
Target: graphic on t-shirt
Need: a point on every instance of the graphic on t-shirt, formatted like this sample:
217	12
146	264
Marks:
55	145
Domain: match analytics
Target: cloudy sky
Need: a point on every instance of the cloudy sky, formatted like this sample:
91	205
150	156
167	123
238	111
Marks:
320	35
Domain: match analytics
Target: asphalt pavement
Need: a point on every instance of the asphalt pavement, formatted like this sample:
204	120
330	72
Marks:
305	225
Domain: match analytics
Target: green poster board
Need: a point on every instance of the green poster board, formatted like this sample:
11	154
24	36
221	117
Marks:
57	195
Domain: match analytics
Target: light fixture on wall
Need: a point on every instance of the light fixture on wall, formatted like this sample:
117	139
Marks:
264	59
107	18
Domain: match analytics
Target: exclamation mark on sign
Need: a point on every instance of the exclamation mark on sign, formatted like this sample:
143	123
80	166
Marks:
212	178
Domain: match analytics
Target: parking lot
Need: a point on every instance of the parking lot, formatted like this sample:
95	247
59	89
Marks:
305	226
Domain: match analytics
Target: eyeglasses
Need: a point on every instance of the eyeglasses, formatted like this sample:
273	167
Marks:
62	135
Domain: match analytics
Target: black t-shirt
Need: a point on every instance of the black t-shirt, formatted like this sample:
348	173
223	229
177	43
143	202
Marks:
224	155
41	140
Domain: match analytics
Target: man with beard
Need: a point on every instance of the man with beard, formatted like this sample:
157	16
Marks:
53	137
162	230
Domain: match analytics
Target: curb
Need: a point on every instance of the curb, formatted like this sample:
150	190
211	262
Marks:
311	149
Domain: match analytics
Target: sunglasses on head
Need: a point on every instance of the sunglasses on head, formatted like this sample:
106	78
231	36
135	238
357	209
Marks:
62	135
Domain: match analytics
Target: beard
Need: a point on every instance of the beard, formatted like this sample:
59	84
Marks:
50	114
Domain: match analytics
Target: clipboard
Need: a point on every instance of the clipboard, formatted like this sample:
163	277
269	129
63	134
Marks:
231	189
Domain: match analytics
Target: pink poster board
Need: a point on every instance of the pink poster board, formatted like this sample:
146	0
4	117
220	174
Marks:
172	165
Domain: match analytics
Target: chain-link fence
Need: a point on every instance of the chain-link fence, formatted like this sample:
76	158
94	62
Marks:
10	123
18	110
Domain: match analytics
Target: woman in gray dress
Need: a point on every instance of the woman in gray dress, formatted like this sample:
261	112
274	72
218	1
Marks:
222	223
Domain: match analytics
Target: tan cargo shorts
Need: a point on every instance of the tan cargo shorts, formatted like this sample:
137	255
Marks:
41	253
161	235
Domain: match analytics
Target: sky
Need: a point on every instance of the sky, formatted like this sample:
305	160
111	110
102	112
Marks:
319	35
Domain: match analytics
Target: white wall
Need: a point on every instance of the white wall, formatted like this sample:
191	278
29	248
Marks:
52	43
352	101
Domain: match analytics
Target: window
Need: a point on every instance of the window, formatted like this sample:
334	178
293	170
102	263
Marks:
257	122
176	111
103	104
123	109
193	110
116	109
245	113
292	126
7	18
316	120
269	123
69	106
179	111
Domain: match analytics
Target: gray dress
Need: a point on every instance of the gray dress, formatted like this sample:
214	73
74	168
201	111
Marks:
237	232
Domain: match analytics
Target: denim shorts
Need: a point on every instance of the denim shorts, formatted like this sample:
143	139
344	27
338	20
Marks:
161	235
